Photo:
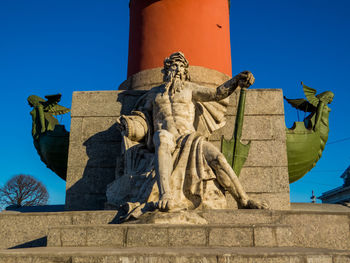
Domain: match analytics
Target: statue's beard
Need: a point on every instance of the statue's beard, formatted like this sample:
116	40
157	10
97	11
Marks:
174	84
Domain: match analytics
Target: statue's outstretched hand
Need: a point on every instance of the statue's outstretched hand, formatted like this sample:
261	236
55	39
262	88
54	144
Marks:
245	79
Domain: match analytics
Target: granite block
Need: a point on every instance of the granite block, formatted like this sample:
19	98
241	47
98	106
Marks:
17	229
241	216
54	237
76	201
326	231
105	236
99	129
264	102
90	180
76	125
341	259
262	127
231	237
233	258
319	259
95	103
92	218
187	236
103	103
152	236
92	259
94	154
260	259
73	237
264	179
267	153
264	237
284	237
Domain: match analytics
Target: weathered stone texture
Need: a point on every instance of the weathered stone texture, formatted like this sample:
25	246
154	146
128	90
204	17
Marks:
264	102
342	259
267	154
239	217
105	236
95	178
143	235
261	259
101	129
231	237
71	237
152	236
17	229
179	237
262	127
319	259
277	236
180	255
264	179
84	201
314	230
92	103
98	154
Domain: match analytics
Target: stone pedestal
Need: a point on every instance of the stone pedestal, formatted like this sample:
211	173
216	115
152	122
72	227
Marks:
305	233
95	141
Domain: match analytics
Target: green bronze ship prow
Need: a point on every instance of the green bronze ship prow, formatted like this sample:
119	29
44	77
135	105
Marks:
51	139
306	140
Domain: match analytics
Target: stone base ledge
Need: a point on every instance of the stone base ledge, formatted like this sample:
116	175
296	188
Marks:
311	225
154	235
175	255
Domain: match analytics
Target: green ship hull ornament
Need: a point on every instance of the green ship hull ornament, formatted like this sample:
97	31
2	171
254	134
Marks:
234	150
51	139
306	140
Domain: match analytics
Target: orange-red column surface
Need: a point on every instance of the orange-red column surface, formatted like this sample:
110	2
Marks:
198	28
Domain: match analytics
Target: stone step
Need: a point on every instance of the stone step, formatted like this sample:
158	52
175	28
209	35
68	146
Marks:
173	255
240	216
140	235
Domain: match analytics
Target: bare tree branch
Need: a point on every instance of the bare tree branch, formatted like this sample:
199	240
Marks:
23	190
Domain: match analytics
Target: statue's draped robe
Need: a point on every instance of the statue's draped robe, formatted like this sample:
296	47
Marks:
192	181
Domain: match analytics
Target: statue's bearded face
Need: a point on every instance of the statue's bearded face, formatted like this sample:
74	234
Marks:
175	76
176	71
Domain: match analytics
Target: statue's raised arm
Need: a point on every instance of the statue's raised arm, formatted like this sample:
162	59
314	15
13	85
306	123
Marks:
243	80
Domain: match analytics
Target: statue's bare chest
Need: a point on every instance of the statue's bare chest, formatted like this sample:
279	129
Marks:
165	101
175	110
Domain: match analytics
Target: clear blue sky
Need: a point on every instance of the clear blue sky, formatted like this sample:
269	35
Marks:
63	46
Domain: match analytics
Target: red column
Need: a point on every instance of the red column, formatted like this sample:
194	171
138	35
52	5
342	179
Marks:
198	28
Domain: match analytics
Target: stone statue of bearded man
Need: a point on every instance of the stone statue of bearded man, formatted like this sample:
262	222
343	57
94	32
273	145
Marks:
166	152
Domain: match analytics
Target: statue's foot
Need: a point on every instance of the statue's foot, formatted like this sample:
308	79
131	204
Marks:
165	203
252	204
